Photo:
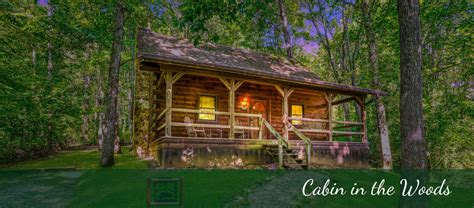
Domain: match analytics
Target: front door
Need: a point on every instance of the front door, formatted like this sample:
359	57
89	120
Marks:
259	107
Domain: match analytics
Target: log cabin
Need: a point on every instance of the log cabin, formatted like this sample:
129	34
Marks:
213	106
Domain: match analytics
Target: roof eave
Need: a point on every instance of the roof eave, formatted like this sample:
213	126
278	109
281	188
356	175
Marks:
318	83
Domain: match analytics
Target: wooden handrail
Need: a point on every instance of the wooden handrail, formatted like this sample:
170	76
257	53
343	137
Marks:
200	125
184	110
349	122
161	127
273	132
346	126
305	139
248	115
202	111
348	132
309	119
252	128
162	114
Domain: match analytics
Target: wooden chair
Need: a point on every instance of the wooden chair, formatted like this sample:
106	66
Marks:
193	131
240	132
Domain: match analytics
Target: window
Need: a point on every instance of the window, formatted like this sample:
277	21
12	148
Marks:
207	103
297	112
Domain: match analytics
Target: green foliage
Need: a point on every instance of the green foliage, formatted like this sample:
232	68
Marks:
39	115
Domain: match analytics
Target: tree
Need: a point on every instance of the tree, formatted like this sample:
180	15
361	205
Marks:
382	125
111	116
286	45
413	145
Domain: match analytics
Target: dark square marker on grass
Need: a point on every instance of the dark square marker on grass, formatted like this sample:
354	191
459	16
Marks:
164	191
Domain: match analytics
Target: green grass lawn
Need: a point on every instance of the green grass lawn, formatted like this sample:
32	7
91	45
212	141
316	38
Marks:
82	160
42	183
31	184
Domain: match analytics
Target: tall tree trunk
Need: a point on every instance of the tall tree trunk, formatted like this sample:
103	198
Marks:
99	115
413	151
382	126
111	102
131	79
285	29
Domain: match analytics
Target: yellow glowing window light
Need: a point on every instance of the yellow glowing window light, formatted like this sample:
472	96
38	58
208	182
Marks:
207	103
297	112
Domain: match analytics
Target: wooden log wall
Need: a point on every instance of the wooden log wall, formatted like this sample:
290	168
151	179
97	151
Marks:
186	93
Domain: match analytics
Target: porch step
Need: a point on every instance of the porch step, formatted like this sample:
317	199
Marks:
290	160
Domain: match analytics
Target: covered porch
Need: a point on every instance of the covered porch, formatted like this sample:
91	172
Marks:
239	128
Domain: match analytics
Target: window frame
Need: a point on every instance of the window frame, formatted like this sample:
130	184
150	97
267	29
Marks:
297	122
199	107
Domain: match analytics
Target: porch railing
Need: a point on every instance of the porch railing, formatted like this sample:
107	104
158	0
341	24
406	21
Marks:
219	126
306	140
329	130
334	131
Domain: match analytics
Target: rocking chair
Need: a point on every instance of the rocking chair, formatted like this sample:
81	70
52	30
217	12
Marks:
191	130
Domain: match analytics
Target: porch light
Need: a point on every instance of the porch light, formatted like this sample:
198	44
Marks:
244	103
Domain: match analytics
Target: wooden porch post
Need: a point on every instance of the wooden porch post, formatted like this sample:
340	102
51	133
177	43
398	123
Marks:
364	119
330	116
170	80
285	92
232	85
231	108
329	96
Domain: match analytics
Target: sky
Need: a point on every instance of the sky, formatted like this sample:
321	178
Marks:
42	2
309	47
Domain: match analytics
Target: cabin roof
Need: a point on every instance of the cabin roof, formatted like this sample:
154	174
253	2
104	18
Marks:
168	49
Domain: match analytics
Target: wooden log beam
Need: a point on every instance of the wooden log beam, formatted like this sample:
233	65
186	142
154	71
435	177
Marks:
251	115
309	119
320	131
251	128
231	108
278	88
161	127
349	122
364	120
348	133
198	125
177	76
200	111
286	94
225	82
344	100
161	114
160	80
329	97
346	126
232	85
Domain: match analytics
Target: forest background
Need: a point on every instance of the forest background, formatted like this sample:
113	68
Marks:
55	56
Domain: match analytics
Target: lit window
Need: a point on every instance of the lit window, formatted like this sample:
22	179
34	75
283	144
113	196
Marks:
297	112
207	103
